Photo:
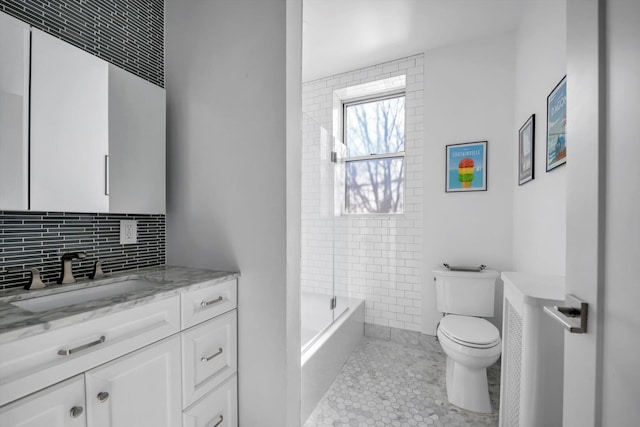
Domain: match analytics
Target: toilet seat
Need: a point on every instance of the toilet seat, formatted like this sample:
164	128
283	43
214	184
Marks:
468	331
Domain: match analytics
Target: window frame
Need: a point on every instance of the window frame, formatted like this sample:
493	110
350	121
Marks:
397	155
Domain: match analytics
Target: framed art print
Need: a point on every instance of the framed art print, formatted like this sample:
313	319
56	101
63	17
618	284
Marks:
526	152
466	167
556	125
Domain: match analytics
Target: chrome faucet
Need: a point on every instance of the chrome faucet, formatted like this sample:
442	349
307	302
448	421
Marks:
66	271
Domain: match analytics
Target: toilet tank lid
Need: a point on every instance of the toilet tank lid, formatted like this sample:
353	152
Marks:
486	274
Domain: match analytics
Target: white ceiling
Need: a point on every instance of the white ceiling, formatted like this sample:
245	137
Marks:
344	35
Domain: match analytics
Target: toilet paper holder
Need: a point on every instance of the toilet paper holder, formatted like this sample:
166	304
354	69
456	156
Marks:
573	317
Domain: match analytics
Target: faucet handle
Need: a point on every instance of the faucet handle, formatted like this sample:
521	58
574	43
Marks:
97	272
35	281
72	255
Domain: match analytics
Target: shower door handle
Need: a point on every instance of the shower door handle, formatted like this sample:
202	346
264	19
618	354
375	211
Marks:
573	317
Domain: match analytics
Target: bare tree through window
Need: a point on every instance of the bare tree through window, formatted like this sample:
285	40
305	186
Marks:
374	136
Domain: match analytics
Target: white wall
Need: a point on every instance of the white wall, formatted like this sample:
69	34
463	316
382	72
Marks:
469	96
294	215
539	206
227	202
378	257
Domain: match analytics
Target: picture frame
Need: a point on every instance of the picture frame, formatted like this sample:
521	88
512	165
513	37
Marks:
466	167
526	150
556	125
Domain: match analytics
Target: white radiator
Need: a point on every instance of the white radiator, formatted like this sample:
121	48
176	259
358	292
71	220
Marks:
512	366
532	352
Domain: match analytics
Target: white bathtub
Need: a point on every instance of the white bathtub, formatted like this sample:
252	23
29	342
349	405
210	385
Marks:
326	348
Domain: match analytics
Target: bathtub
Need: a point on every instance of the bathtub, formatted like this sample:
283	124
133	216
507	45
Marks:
326	347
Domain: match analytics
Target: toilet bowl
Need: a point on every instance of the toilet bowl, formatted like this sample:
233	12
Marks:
471	344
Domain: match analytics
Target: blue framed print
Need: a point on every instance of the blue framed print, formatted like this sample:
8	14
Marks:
557	125
466	167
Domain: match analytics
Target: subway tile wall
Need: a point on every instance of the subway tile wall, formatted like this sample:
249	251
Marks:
126	33
37	239
378	258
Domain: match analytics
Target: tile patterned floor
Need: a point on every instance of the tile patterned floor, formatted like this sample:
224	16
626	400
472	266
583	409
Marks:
402	383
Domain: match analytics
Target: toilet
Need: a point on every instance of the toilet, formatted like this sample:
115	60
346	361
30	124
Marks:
471	343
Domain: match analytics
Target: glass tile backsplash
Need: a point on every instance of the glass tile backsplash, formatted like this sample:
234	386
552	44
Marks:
38	239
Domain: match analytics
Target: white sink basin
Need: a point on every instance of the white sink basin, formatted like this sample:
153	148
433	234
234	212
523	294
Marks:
79	296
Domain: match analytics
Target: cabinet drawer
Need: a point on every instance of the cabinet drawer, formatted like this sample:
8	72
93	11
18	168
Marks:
218	408
208	302
61	405
34	362
209	356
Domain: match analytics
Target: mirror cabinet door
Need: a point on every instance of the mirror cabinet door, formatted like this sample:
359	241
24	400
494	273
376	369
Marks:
69	127
136	144
14	113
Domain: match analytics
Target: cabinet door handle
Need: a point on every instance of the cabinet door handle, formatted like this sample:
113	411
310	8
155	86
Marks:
213	301
76	411
103	396
216	354
220	420
82	347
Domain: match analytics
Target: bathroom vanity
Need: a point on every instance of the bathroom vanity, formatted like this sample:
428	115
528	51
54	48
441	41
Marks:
155	347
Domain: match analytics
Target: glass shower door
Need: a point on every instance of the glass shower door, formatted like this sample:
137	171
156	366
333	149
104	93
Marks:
317	264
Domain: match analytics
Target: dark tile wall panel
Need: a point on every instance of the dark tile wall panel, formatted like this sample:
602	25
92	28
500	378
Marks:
126	33
39	238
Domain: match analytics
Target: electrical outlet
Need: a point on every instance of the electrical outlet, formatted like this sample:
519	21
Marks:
128	231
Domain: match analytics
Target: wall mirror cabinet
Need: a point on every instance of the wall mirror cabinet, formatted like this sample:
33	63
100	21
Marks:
14	113
96	133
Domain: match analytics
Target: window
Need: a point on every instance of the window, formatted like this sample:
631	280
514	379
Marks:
374	139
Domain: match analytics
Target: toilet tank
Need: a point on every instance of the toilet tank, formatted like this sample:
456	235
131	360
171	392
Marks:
465	293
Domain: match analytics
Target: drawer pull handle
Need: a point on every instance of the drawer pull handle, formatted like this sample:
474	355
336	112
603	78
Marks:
220	420
213	301
82	347
216	354
76	411
103	396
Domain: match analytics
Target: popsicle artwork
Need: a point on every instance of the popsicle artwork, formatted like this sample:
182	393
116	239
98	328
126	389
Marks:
466	168
465	172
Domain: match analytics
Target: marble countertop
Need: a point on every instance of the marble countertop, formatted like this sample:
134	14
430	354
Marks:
16	322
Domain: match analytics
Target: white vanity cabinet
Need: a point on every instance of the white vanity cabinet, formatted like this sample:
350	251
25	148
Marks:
209	356
139	389
37	361
216	409
130	367
61	405
14	113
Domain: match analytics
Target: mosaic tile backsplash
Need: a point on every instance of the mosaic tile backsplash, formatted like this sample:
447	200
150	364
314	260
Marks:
38	239
126	33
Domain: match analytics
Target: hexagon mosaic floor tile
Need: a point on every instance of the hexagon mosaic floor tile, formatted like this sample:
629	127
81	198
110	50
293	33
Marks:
386	383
